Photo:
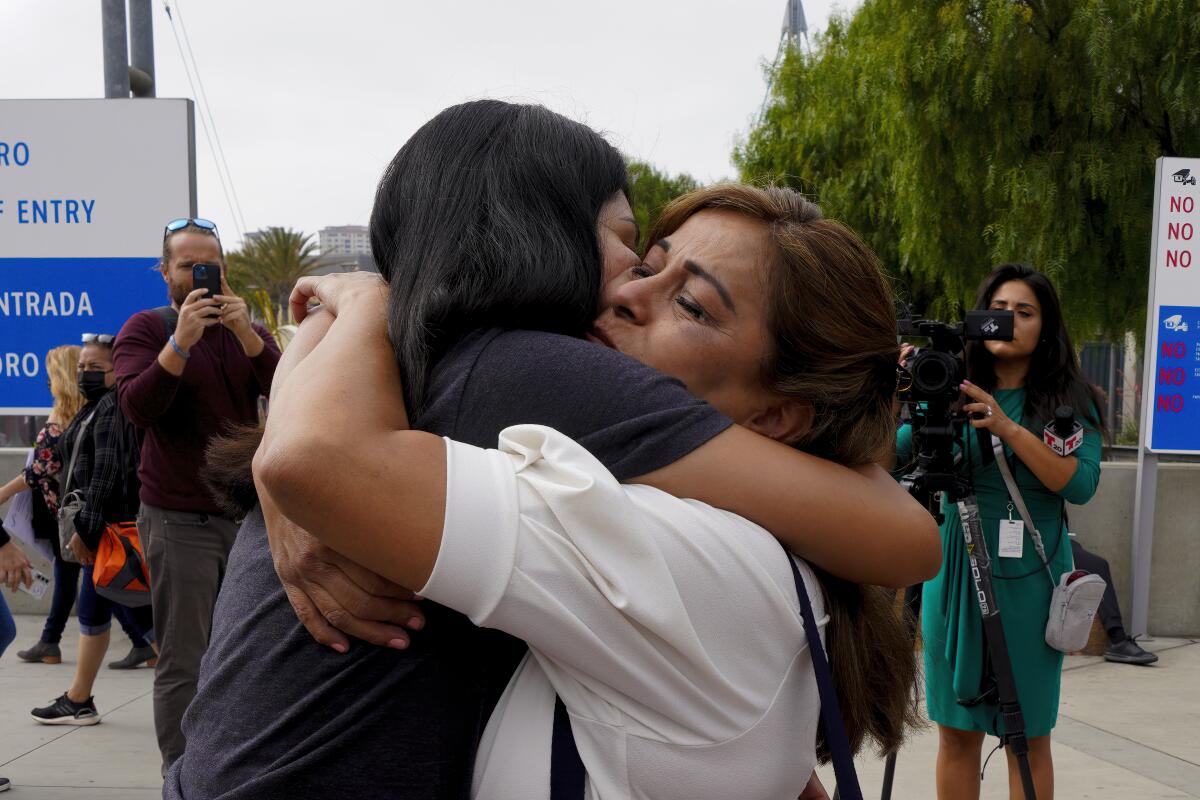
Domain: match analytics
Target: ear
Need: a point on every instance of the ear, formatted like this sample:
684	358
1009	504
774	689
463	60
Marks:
162	268
784	419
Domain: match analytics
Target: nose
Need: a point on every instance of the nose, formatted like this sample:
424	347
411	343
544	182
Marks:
633	300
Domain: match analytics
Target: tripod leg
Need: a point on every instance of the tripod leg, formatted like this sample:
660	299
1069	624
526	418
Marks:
911	609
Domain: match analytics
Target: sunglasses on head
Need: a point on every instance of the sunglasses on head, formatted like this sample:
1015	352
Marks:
98	338
196	222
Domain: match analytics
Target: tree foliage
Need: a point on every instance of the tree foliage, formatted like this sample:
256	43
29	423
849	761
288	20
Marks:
651	190
958	135
268	265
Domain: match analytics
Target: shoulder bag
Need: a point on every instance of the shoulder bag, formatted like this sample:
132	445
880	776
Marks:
1076	594
71	502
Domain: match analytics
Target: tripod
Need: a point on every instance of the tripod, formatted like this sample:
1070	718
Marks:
958	490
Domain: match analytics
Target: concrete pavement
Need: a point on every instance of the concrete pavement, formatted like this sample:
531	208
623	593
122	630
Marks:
1129	732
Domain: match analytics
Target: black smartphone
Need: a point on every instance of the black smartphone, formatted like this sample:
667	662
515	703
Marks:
207	275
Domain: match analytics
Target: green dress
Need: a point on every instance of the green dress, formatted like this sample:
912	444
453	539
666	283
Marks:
950	621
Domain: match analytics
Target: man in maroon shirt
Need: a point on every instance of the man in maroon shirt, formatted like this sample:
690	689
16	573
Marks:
183	374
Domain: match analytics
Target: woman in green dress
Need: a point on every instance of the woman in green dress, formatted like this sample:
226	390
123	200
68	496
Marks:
1012	392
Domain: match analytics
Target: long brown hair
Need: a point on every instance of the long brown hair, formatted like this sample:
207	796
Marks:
832	322
62	364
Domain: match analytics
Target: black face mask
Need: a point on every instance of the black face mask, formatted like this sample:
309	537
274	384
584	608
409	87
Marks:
91	383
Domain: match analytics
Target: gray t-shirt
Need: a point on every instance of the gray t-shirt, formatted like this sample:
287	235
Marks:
278	716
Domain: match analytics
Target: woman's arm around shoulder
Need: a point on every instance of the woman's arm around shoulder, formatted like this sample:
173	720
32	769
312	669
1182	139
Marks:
856	523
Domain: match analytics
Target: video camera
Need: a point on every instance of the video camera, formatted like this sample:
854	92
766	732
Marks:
929	389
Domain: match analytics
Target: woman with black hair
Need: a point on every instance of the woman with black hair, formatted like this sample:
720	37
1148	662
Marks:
1013	390
104	473
496	226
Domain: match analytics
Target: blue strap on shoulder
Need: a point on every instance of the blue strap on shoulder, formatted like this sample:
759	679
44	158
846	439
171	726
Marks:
567	773
831	712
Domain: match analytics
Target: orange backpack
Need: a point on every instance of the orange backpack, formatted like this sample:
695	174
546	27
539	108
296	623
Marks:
120	572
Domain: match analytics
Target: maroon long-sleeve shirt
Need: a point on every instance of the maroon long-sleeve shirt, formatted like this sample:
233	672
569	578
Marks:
219	385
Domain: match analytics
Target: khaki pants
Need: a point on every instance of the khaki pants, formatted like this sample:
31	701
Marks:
187	554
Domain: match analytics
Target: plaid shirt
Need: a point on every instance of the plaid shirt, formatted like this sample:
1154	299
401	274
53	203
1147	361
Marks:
105	473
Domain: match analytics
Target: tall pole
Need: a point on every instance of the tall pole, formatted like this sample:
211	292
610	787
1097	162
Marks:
141	48
116	54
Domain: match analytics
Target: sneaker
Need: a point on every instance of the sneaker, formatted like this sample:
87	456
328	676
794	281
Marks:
65	712
137	656
5	784
1127	651
42	652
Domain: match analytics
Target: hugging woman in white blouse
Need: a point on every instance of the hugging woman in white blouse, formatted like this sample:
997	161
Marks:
670	629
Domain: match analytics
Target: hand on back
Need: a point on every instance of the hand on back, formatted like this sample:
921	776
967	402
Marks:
336	292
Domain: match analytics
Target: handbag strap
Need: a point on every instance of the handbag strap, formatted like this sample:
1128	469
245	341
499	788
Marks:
567	771
75	454
1014	494
831	713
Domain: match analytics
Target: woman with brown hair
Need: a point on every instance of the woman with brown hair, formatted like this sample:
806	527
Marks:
669	629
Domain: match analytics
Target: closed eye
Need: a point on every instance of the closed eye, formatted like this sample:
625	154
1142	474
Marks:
694	310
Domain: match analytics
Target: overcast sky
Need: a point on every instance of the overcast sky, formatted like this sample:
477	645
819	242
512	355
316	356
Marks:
312	99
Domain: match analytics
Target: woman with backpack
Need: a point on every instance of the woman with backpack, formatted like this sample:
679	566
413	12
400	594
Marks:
100	451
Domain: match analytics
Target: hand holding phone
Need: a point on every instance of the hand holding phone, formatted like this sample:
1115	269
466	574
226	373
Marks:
38	586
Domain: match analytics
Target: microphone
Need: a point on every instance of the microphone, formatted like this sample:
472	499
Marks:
1064	434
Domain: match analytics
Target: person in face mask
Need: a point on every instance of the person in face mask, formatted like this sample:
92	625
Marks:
105	473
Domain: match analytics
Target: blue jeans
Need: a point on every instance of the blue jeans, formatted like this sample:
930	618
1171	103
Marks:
66	587
8	628
96	613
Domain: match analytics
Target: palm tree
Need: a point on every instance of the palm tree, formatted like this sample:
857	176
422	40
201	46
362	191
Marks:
268	265
271	260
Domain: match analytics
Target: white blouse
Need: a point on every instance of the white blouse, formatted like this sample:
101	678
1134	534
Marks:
670	629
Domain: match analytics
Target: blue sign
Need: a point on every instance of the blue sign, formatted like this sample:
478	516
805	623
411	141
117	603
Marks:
1176	395
47	302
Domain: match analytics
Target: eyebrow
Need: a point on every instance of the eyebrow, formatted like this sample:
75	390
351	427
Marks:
705	275
665	244
1030	306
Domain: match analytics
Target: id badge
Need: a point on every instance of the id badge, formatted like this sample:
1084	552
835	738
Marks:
1012	538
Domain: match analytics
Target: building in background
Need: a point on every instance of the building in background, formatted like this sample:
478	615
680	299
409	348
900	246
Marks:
344	240
344	248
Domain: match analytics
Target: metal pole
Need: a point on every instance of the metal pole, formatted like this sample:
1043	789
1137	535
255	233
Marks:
1147	470
116	54
141	44
1143	538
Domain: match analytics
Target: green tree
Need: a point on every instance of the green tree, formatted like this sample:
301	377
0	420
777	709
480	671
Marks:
954	136
267	266
651	190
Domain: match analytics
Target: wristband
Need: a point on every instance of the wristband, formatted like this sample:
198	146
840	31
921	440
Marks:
179	351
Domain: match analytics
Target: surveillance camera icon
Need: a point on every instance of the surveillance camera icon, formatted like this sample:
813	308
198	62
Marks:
1175	323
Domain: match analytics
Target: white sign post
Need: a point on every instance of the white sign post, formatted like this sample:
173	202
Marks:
1171	380
86	187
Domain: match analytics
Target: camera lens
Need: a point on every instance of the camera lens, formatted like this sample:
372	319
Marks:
936	374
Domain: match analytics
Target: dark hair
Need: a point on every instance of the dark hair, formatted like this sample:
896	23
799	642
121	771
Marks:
486	217
831	319
189	228
1054	378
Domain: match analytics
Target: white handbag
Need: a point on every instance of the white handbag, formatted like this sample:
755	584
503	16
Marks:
1076	594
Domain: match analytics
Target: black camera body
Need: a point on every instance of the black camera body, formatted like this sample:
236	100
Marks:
929	390
935	372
